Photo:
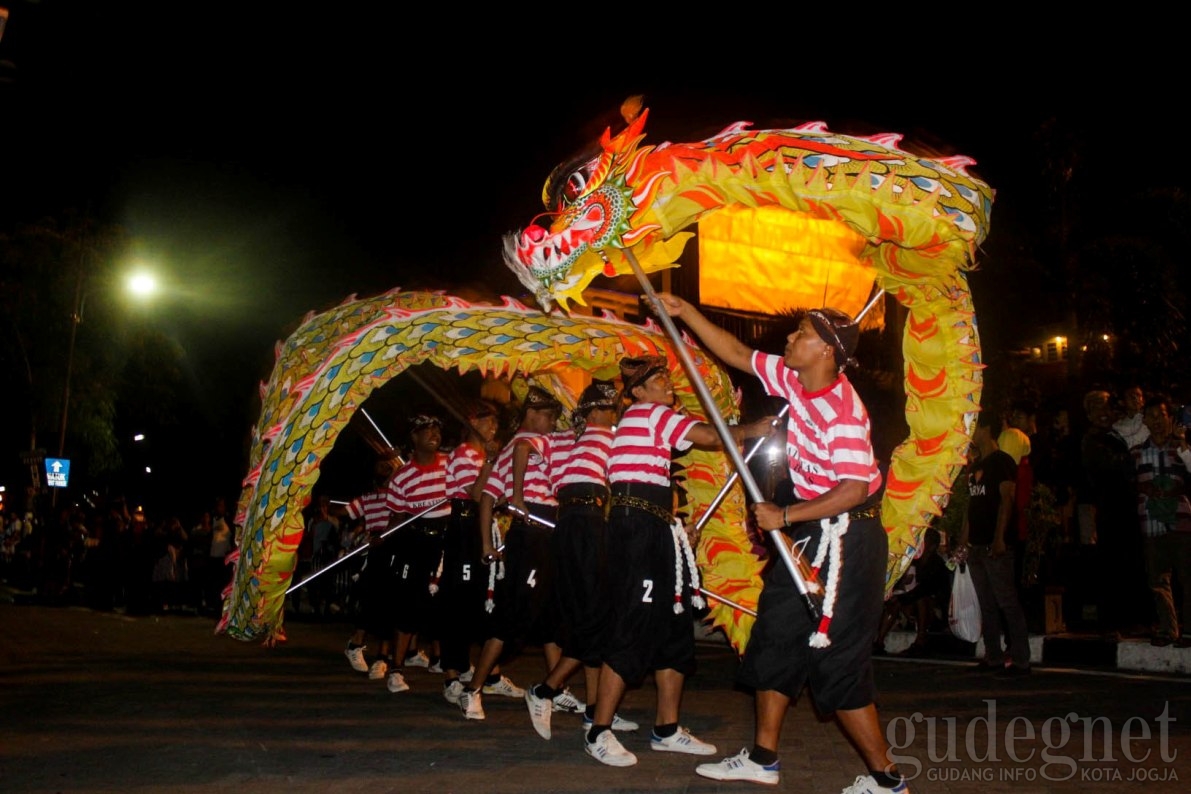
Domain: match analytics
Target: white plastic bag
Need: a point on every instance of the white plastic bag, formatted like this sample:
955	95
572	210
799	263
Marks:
964	615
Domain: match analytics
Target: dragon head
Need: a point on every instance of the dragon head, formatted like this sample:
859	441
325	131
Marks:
597	208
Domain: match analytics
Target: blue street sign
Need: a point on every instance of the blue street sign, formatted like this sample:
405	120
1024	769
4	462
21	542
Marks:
57	472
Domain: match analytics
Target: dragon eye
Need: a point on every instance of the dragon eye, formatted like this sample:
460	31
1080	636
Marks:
576	184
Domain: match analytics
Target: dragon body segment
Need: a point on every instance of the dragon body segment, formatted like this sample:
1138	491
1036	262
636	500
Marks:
330	365
921	219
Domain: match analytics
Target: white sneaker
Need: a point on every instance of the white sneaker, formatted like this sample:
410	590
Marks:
396	683
471	705
682	741
452	691
865	784
466	677
607	749
566	701
378	669
419	659
436	667
504	687
355	656
540	710
740	767
619	723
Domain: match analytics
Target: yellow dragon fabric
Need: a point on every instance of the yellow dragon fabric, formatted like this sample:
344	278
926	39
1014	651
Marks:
330	365
922	219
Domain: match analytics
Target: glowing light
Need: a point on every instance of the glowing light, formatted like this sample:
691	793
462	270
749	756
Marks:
142	284
748	255
139	437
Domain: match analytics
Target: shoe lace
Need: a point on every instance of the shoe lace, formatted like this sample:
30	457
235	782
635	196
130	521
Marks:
860	786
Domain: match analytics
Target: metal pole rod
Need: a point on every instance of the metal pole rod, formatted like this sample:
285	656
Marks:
715	503
364	547
388	443
728	601
721	427
76	317
871	303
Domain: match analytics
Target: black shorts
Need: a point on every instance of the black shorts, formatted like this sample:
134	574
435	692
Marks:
420	547
462	586
645	633
524	611
378	610
778	655
581	605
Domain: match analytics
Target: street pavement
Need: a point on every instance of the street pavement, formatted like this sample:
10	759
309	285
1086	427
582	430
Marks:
105	702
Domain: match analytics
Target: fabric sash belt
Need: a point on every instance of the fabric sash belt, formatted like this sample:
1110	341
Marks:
652	499
583	495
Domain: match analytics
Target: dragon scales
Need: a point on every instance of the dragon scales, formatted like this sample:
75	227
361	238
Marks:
330	365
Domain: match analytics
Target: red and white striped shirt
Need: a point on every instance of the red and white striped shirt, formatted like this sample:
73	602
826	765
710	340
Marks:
374	507
828	436
561	444
415	487
536	486
586	460
463	469
645	436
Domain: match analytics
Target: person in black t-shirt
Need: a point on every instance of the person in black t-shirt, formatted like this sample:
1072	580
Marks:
991	489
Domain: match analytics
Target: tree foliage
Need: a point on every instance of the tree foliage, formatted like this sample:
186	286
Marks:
58	280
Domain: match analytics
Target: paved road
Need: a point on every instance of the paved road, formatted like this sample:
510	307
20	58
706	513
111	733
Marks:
94	702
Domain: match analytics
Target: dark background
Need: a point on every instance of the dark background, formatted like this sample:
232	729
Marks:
271	159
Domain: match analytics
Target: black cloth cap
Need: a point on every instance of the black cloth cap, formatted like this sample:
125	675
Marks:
635	371
839	331
600	394
423	421
538	398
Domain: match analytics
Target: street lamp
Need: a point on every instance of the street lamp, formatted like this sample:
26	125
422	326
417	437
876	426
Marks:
141	284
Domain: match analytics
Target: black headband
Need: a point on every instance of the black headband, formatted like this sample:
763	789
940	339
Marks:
649	373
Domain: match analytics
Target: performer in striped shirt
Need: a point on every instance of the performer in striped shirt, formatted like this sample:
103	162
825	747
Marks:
418	487
836	484
522	613
650	588
376	611
580	469
463	579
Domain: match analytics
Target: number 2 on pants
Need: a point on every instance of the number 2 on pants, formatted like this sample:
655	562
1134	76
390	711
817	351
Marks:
647	595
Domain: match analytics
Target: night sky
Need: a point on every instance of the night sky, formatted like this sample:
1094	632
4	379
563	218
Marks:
275	161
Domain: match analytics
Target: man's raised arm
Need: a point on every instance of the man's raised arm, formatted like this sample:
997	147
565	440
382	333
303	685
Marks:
726	347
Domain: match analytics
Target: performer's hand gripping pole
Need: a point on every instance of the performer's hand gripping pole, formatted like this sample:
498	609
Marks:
721	427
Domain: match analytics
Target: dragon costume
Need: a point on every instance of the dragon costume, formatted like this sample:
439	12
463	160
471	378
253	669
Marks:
330	365
920	218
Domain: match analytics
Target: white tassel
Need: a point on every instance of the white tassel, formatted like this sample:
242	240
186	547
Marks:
495	571
683	552
437	575
831	542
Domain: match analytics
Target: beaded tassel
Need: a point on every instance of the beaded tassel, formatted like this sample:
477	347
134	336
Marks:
831	543
682	551
437	575
495	571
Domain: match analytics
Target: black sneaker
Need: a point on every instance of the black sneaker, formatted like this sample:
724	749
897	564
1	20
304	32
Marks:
1161	640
